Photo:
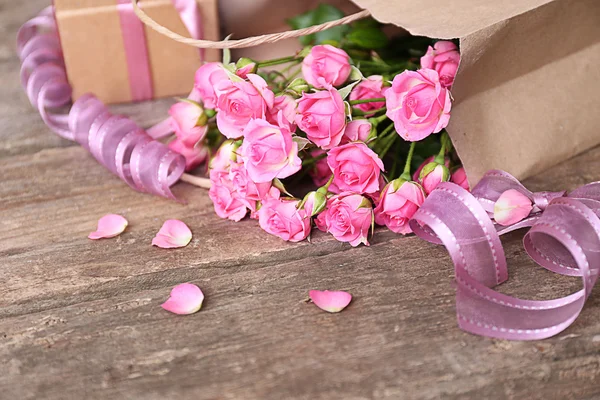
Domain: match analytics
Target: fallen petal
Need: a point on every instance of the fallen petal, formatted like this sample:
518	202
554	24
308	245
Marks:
186	298
511	207
109	226
173	234
332	302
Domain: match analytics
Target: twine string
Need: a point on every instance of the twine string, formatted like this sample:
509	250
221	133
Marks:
247	42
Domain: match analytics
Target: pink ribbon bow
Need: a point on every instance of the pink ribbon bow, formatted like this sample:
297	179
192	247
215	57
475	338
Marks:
564	237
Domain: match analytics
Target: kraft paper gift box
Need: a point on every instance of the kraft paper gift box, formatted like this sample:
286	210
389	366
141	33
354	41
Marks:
95	53
527	93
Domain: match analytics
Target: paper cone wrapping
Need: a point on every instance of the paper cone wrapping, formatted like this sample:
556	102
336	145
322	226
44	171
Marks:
94	53
527	93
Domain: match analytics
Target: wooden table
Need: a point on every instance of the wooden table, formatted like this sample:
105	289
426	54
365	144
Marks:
82	319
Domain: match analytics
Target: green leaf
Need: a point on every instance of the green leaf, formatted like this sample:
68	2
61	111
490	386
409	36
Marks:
303	21
226	53
368	38
323	13
366	23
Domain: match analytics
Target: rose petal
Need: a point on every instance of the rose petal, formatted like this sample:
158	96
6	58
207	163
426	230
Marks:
332	302
511	207
109	226
173	234
186	298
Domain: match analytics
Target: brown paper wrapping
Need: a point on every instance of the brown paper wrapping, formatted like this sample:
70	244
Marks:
527	94
90	34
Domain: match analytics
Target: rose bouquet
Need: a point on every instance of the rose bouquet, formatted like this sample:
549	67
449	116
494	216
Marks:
366	126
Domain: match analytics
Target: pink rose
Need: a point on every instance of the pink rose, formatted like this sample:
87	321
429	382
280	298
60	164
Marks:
239	102
224	156
225	199
369	88
188	121
444	58
248	191
432	175
283	112
356	131
427	161
418	104
326	65
399	201
281	218
323	117
348	218
207	76
460	178
269	152
356	168
243	72
194	155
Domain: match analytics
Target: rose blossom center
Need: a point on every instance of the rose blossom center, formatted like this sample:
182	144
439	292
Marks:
276	222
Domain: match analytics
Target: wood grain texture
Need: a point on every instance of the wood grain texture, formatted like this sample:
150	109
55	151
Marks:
82	319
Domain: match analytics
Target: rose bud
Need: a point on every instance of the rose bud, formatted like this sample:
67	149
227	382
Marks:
418	104
188	121
314	202
460	178
194	155
245	66
399	201
428	160
358	130
369	88
432	175
444	58
326	65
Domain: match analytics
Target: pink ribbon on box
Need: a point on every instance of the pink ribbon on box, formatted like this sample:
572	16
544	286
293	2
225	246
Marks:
136	49
564	238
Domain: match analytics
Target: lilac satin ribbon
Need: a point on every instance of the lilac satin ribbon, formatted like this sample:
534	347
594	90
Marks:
564	237
115	141
136	49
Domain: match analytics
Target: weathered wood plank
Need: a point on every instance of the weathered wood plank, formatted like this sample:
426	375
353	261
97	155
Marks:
82	319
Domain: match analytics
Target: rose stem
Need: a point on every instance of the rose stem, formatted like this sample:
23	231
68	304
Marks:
406	174
362	101
204	183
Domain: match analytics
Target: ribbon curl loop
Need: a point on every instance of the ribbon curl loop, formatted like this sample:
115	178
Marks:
115	141
564	238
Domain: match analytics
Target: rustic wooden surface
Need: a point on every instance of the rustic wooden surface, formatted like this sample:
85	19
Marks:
82	319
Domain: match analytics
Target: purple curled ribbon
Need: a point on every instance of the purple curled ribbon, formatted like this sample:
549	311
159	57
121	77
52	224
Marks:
564	237
115	141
